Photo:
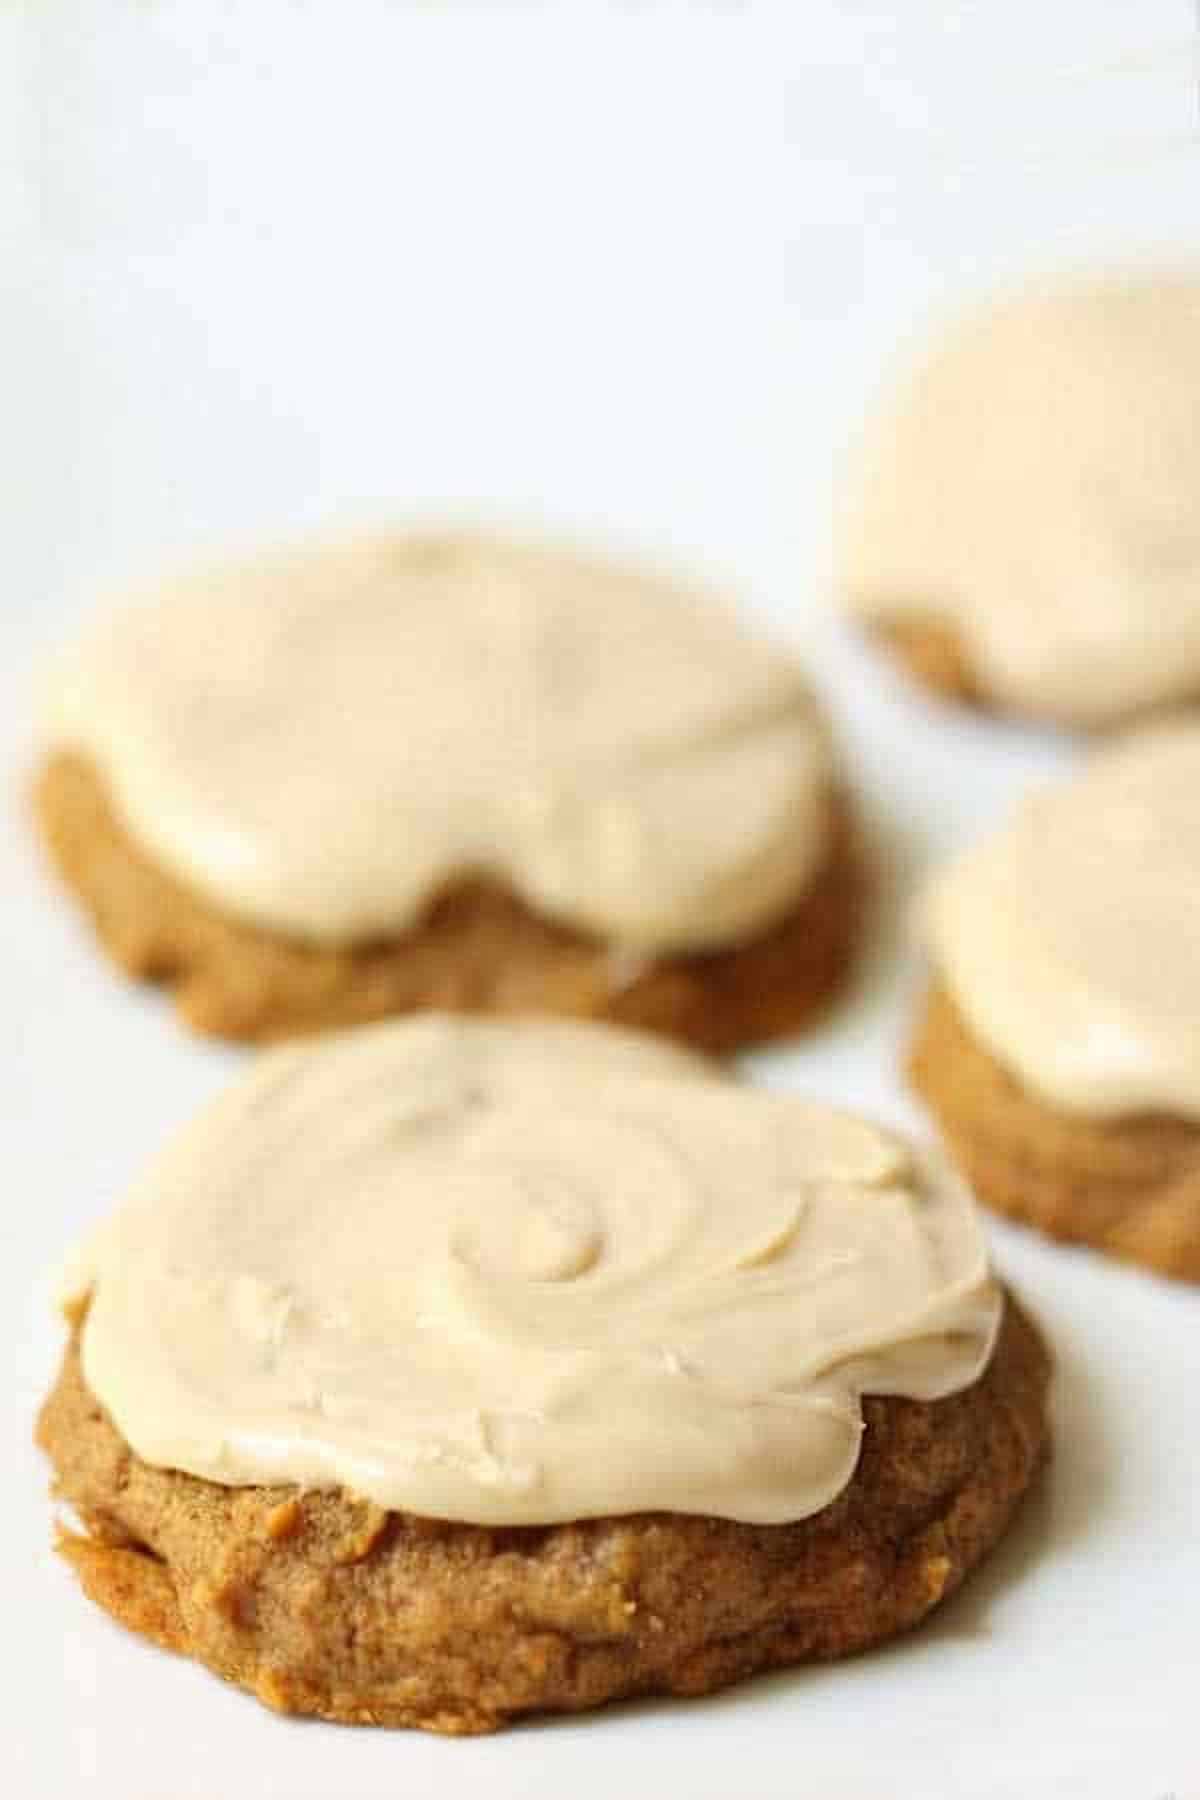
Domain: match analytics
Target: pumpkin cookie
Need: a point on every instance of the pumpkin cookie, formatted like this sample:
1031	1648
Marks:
1060	1051
452	773
1024	530
1130	1186
480	1368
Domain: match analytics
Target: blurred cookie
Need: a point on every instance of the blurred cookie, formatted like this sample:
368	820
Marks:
1130	1186
452	773
452	1369
1060	1051
1024	528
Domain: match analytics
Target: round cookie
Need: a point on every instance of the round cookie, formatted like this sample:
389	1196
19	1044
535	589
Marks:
454	773
480	1368
1024	527
1060	1049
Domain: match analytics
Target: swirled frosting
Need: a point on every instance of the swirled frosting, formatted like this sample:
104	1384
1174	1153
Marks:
1069	940
527	1272
1036	484
322	741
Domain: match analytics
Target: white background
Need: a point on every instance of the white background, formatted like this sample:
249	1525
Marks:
630	270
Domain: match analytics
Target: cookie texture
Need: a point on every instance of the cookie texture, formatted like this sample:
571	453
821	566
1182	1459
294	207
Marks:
1128	1186
320	1603
478	948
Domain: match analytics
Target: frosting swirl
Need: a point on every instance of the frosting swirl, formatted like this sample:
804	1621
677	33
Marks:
323	741
523	1273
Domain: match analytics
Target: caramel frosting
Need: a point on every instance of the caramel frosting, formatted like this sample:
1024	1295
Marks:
1070	941
520	1273
1036	485
323	741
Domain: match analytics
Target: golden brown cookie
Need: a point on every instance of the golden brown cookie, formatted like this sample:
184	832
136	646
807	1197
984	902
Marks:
931	652
320	1603
478	948
1130	1186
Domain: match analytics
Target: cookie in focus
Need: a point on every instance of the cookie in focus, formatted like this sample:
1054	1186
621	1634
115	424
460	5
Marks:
475	1371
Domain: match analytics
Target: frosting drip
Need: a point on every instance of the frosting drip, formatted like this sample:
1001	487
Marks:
1068	941
1037	485
323	741
523	1273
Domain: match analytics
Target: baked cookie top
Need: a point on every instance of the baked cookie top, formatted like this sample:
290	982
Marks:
527	1272
322	741
1035	486
1070	940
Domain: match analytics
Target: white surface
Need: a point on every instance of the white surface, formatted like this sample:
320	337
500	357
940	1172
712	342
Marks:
630	269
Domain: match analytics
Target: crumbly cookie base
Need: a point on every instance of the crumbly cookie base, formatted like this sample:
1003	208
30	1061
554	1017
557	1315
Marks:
477	949
1128	1186
321	1603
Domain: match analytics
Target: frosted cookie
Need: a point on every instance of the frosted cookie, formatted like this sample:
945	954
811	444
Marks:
418	772
1024	529
452	1369
1061	1048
